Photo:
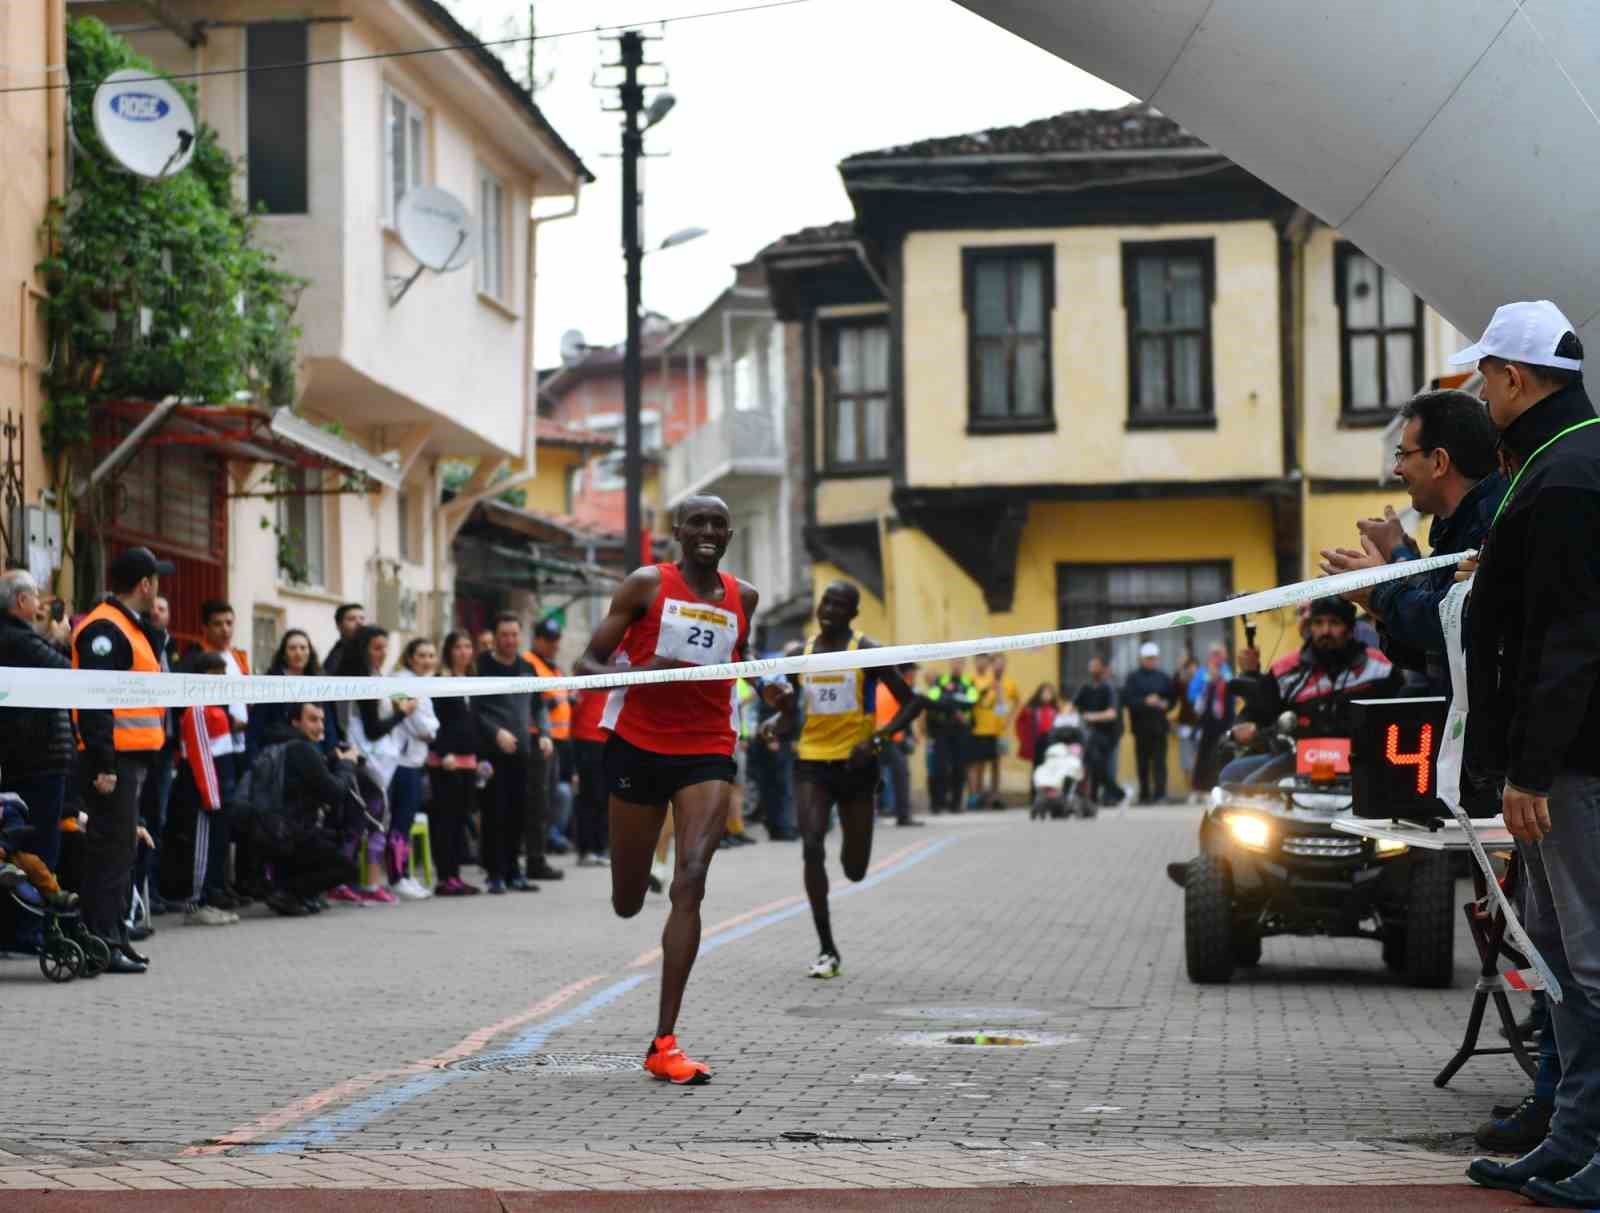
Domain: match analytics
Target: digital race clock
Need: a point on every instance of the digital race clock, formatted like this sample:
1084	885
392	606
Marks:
1394	754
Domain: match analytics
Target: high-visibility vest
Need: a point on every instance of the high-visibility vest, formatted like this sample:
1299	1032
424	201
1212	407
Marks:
134	730
557	704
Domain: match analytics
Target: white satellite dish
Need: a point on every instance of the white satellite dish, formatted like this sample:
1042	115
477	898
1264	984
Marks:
144	123
437	229
572	347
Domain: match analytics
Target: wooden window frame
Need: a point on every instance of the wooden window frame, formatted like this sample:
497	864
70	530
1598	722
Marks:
970	259
829	331
1351	417
1133	251
1067	568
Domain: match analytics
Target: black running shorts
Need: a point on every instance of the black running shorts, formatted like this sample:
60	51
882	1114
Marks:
844	783
645	777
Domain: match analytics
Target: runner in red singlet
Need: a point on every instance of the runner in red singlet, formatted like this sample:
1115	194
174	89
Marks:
672	742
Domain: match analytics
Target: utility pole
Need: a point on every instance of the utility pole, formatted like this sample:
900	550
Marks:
632	44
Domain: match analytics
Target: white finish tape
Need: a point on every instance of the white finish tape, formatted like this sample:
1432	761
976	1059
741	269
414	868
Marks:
98	689
1452	615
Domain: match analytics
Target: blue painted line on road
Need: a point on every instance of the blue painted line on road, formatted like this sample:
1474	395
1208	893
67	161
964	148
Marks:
767	920
327	1130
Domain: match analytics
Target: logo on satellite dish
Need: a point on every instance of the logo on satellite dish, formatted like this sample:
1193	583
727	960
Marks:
139	107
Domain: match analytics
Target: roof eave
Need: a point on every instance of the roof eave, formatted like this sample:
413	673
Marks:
441	17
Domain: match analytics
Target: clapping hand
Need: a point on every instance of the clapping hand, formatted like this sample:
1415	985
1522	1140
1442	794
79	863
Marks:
1385	534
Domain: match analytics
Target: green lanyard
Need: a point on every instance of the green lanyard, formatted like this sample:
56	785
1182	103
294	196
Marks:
1517	479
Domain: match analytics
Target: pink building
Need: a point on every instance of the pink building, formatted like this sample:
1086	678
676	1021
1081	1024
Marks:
587	393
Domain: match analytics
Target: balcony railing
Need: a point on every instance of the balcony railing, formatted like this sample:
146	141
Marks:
737	444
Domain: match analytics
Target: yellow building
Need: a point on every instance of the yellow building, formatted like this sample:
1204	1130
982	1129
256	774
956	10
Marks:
33	133
1082	370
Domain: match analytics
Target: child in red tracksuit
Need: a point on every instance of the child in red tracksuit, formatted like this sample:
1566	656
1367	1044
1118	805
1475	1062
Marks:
205	733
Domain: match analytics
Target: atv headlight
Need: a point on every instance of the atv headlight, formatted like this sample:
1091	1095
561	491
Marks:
1249	831
1388	848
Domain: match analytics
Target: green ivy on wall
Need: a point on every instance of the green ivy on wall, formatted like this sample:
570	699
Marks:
156	288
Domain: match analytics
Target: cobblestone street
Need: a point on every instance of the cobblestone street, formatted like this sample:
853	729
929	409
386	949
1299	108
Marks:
398	1046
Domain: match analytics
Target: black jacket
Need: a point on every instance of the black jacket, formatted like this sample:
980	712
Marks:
516	713
1412	635
461	730
1533	629
1145	720
312	781
33	741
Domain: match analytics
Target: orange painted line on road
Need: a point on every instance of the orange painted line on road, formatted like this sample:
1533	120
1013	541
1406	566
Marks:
783	903
304	1107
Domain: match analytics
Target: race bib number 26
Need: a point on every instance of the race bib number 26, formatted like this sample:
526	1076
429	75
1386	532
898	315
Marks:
831	694
697	633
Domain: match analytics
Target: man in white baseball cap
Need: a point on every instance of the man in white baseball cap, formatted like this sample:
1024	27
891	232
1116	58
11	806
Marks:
1533	661
1528	350
1150	696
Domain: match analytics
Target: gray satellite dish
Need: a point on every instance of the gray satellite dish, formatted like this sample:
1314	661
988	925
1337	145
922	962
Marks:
437	229
572	347
144	123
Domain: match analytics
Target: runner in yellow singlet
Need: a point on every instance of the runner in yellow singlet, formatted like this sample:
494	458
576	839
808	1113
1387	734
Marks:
837	753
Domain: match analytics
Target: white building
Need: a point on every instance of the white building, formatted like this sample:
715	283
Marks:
398	388
742	453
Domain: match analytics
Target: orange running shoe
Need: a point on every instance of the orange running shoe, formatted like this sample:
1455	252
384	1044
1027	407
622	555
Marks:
667	1062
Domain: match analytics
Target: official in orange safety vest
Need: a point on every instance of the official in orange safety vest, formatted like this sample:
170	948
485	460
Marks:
118	746
558	727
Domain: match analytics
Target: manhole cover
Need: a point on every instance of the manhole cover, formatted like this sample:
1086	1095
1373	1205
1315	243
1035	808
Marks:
998	1038
556	1064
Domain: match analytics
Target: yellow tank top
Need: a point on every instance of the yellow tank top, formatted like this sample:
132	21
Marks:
837	717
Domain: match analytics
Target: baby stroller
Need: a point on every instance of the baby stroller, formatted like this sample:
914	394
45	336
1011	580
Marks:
68	949
1059	787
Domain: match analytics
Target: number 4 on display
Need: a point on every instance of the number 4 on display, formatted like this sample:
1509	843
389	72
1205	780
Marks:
1421	757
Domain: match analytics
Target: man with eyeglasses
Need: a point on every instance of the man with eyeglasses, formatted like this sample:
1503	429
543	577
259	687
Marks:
1446	458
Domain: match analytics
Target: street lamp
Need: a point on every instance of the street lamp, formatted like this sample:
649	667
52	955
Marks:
681	236
660	107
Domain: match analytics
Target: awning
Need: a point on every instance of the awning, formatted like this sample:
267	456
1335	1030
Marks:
247	433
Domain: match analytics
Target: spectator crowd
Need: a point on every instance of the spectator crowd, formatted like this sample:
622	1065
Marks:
304	806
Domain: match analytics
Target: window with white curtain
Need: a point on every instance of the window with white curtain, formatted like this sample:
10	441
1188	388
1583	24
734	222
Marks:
491	235
1380	336
1009	295
1110	593
404	149
856	400
1167	292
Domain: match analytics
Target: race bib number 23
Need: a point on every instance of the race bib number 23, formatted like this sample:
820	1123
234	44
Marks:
697	633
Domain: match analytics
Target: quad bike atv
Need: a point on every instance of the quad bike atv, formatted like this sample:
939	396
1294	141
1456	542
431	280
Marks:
1271	863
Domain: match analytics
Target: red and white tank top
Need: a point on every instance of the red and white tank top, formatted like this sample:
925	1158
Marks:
682	717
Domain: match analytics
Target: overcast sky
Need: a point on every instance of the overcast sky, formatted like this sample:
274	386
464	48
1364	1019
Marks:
768	104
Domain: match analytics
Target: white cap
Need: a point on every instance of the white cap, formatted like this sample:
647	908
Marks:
1531	332
1149	649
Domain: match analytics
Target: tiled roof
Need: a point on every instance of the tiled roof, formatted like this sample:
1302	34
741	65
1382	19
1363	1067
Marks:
1136	127
558	433
822	233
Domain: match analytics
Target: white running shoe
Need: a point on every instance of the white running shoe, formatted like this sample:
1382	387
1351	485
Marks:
827	966
408	889
209	916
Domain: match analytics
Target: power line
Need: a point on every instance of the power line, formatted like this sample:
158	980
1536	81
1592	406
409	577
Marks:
426	50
